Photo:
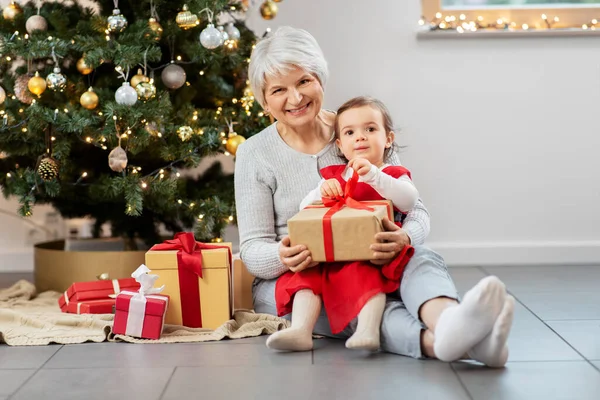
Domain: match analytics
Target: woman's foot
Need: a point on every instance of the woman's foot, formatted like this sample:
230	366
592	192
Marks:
462	326
492	350
291	339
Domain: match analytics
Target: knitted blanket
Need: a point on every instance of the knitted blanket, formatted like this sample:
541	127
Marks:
27	319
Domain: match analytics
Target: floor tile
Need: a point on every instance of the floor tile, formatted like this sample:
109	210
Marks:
12	379
531	340
528	279
562	305
17	357
319	382
96	384
584	336
531	380
7	279
465	277
94	355
330	351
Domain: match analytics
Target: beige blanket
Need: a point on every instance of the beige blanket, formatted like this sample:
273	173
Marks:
27	319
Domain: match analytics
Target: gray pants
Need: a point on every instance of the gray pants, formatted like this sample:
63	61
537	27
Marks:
425	277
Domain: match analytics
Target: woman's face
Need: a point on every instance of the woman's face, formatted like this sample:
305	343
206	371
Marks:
294	98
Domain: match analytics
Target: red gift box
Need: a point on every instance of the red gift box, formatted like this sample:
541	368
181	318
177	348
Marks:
139	315
104	306
95	290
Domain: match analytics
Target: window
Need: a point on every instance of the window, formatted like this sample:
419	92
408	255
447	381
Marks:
558	13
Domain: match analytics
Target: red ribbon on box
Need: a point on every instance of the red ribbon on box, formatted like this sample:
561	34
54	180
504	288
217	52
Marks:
189	269
336	204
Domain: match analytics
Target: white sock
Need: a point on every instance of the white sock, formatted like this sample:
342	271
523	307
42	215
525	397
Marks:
462	326
298	337
366	336
492	350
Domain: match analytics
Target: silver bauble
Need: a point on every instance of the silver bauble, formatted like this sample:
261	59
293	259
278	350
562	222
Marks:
2	95
173	76
211	37
117	22
232	31
36	23
117	159
56	81
126	95
224	34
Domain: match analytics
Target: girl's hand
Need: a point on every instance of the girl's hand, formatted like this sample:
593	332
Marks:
389	243
360	165
331	188
296	258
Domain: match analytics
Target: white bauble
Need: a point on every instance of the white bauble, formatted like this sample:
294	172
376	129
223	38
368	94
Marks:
211	37
126	95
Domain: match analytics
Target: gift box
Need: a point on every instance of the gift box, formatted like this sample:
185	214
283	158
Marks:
197	278
95	290
102	306
342	231
242	286
140	315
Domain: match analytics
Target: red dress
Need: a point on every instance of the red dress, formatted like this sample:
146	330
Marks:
345	287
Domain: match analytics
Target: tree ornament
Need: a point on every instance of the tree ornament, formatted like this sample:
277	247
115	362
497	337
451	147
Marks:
37	84
2	95
56	81
185	133
126	95
233	142
36	23
48	168
12	11
152	129
268	10
224	35
210	37
117	159
232	31
89	100
139	77
156	28
117	22
21	90
185	19
173	76
146	90
83	67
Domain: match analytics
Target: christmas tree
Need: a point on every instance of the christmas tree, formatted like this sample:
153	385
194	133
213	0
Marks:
103	110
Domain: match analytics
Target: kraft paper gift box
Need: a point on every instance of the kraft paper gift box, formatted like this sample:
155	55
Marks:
197	279
342	232
242	286
140	315
95	290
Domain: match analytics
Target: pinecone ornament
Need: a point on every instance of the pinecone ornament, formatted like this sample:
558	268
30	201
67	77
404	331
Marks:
48	169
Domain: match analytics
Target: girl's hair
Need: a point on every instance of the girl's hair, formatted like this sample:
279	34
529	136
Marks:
362	101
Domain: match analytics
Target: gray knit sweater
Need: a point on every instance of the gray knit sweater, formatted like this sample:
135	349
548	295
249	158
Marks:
271	179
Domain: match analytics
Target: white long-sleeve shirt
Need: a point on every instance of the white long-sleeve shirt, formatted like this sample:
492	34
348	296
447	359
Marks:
401	191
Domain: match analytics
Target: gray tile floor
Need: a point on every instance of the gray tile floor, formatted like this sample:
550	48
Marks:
555	354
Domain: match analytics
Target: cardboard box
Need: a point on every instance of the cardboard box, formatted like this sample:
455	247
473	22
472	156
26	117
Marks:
214	303
143	318
353	230
242	286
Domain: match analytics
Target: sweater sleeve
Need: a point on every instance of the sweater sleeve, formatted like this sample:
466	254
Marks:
259	248
401	191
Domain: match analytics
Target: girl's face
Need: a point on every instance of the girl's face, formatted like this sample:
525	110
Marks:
362	134
294	98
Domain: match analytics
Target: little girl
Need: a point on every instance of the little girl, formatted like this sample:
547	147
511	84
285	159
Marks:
364	134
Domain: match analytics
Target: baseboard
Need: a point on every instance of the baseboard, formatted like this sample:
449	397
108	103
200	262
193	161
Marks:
519	253
16	260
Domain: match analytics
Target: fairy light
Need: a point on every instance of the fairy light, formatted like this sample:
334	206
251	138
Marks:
192	205
8	58
114	117
180	201
144	185
84	175
178	58
8	175
24	130
66	111
230	218
88	139
21	110
201	216
53	138
201	73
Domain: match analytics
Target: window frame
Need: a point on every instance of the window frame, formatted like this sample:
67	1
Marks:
569	16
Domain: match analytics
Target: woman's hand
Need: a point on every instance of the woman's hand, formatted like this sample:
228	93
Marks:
389	243
296	258
331	188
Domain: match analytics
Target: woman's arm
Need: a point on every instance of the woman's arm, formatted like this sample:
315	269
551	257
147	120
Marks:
259	248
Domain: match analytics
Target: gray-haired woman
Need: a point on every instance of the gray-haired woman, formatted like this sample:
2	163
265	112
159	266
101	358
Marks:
277	167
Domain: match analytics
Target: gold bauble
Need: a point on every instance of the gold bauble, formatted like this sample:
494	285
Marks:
12	10
145	90
37	84
139	77
83	67
185	19
89	100
268	9
233	142
156	28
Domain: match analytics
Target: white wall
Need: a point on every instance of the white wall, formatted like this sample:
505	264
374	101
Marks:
502	139
500	132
